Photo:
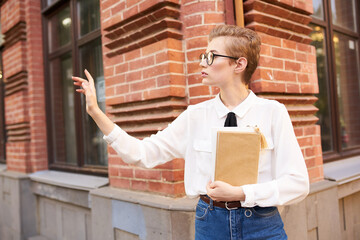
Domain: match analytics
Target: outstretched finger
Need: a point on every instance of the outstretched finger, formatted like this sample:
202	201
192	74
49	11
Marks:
77	79
90	78
80	90
78	83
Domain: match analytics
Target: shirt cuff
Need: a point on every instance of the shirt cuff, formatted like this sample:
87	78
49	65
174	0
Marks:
113	135
249	196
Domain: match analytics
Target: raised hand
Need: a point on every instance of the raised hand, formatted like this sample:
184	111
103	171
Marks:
88	89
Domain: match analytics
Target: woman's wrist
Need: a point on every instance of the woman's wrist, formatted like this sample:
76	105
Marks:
94	111
240	194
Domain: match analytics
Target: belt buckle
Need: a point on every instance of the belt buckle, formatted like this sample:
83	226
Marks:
230	208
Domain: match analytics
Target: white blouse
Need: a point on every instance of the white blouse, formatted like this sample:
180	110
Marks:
282	174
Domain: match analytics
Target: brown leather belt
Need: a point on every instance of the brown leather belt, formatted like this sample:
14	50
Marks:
227	205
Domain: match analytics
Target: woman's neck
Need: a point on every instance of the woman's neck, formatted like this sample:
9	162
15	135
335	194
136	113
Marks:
232	97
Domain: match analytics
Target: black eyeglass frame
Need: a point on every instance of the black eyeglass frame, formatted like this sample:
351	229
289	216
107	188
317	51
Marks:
205	55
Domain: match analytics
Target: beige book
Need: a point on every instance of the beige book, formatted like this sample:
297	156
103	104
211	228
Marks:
237	157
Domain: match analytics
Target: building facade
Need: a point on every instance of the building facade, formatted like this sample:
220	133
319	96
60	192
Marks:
59	179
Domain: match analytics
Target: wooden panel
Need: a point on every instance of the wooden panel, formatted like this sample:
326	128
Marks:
351	217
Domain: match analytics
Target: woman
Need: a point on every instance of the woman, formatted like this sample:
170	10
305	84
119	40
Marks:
223	211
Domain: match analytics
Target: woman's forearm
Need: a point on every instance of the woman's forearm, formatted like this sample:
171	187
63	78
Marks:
103	121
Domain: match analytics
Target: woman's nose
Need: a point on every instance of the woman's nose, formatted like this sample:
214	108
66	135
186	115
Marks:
202	63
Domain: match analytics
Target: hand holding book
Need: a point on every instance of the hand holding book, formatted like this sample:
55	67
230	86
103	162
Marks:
237	153
222	191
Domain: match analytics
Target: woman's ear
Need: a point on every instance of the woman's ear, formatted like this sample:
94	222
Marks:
241	64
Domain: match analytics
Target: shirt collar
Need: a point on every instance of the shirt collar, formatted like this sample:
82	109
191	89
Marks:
239	110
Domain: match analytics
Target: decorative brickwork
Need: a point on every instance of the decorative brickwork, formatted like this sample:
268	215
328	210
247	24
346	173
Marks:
287	69
278	19
158	22
26	148
145	83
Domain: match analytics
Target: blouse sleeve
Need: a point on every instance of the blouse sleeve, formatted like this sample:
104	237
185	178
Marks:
291	183
157	149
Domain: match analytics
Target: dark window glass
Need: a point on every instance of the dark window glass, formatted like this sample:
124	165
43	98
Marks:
347	80
324	113
96	147
2	115
49	2
62	91
89	16
336	41
59	27
318	9
1	36
76	141
343	14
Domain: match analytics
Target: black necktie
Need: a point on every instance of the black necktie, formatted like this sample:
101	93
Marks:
230	120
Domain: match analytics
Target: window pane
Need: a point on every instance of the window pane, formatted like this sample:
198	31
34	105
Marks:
318	9
348	91
49	2
323	102
95	146
2	115
63	112
59	29
1	36
89	16
343	14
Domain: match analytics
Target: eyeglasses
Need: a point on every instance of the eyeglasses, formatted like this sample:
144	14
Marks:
210	57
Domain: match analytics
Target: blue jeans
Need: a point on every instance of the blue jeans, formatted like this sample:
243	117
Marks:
257	223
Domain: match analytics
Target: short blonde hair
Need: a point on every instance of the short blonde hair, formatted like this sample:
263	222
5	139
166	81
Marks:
244	42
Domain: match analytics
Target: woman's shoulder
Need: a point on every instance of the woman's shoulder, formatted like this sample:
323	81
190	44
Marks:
270	104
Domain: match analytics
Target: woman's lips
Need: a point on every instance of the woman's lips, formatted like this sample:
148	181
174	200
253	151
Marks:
204	74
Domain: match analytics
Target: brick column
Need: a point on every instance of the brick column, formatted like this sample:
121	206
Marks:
145	83
199	19
287	69
24	91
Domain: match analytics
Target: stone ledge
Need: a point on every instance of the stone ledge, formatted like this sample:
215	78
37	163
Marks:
321	186
343	171
39	237
69	180
62	194
349	188
147	199
13	175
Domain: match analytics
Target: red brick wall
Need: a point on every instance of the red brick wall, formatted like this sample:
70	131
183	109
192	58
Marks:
26	148
36	88
151	68
199	19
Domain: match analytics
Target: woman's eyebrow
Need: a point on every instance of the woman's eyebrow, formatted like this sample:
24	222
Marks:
213	51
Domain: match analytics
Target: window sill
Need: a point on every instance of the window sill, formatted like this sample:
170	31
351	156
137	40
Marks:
69	180
343	171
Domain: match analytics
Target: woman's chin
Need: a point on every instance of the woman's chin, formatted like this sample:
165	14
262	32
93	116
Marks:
207	82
